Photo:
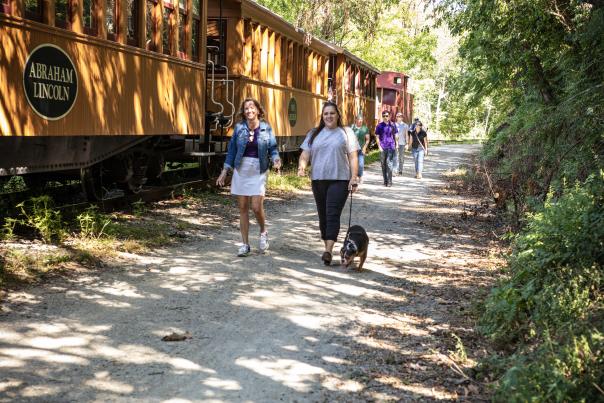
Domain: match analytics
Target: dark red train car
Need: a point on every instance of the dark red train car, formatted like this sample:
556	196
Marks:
393	95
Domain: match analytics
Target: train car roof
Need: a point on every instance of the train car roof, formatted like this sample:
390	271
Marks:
386	80
261	13
340	50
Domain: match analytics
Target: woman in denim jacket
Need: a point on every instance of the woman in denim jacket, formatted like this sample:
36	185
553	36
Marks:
251	149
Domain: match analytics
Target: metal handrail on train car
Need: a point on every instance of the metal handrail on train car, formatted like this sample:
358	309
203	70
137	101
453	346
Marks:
212	92
229	101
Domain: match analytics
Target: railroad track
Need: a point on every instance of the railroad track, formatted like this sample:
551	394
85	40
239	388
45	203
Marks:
70	199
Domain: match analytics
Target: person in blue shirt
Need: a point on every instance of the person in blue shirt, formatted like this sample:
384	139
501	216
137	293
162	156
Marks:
252	148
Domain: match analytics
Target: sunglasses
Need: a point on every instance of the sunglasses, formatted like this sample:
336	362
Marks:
251	138
386	116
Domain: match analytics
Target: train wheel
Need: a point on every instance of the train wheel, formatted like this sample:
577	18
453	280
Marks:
131	172
34	181
155	168
92	182
210	166
215	166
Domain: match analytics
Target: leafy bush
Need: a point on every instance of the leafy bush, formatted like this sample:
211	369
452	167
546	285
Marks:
551	306
39	214
92	222
569	369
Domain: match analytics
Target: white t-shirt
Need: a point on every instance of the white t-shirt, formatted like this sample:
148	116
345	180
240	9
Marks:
401	134
329	153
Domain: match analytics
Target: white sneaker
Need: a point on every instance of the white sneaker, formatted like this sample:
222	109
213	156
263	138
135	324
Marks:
263	245
244	250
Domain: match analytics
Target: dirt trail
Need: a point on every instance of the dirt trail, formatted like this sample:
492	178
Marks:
276	327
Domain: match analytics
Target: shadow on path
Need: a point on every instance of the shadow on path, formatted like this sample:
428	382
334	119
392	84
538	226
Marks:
275	327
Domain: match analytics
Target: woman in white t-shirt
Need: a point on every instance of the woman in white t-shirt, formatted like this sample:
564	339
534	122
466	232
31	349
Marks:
331	150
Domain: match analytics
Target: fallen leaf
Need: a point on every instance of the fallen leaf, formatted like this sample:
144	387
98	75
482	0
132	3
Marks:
176	337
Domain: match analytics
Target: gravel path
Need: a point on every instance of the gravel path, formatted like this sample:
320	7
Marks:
266	328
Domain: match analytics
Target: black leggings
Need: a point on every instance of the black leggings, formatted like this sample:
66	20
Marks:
330	196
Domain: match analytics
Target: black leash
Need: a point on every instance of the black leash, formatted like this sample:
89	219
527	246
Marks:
350	214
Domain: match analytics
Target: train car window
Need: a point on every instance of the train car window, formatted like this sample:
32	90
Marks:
296	66
151	25
168	28
195	39
216	41
331	78
132	27
283	62
165	37
195	30
61	14
88	20
33	10
182	18
347	78
5	7
110	21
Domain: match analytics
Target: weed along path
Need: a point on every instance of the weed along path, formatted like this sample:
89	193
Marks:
267	328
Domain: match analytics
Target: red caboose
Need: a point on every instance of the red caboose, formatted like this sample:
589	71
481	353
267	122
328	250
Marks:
393	95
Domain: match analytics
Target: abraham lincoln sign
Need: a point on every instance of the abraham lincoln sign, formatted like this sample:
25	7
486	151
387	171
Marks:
50	81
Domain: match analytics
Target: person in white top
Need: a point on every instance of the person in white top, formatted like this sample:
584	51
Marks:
331	149
402	130
251	149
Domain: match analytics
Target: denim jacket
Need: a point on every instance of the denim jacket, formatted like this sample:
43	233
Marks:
267	146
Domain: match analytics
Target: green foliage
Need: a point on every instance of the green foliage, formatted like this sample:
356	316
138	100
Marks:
92	222
8	228
287	181
372	156
39	214
569	369
14	184
523	54
460	351
332	20
139	208
551	306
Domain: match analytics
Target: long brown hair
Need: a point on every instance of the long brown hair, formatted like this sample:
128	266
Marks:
241	113
318	129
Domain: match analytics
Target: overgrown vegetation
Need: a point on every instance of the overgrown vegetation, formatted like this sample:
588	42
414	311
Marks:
539	66
87	239
287	181
549	310
90	237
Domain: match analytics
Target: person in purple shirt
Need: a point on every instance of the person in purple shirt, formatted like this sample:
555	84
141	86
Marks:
385	134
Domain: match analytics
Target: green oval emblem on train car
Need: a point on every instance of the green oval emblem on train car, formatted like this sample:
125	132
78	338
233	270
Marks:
292	112
50	81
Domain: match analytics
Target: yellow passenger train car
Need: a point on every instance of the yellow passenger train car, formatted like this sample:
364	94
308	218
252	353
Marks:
99	89
352	85
256	53
109	90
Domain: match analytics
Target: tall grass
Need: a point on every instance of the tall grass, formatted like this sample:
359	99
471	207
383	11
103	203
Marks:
287	181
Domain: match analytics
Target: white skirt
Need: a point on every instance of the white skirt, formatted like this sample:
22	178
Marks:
247	179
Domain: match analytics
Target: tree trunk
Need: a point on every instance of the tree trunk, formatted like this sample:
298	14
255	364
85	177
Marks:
537	76
441	96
